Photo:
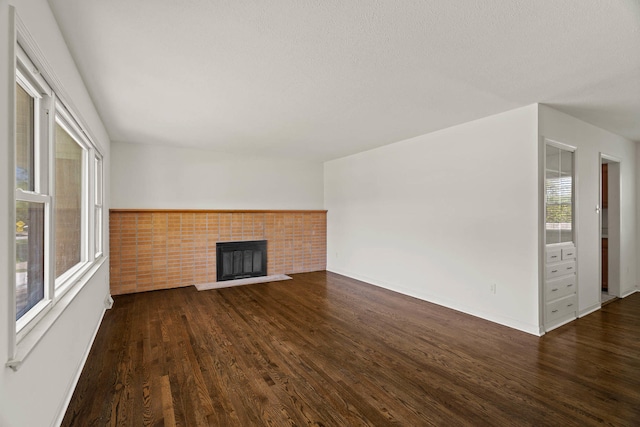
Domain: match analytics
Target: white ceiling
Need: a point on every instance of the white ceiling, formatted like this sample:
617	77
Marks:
323	79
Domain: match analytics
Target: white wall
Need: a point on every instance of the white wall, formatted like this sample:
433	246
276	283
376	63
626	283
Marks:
150	176
444	216
590	142
36	394
637	218
6	205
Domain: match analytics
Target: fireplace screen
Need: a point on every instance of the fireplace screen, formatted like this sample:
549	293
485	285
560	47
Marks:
239	260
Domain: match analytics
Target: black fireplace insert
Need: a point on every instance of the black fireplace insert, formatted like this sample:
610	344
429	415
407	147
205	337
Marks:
239	260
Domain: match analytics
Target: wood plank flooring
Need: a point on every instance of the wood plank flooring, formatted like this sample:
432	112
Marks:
326	350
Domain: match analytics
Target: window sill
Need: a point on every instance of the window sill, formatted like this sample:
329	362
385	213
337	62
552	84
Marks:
33	337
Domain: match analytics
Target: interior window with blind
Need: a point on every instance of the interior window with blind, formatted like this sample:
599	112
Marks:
559	195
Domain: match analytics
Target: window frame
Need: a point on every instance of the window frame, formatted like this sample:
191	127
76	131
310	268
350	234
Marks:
49	110
98	206
41	93
65	120
573	150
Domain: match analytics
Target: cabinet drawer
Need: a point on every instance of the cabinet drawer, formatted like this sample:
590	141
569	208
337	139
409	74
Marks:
558	288
554	255
561	308
560	269
568	253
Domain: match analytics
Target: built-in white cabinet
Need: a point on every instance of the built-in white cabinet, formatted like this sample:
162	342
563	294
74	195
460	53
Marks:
560	289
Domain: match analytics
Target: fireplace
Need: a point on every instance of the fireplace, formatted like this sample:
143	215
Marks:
239	260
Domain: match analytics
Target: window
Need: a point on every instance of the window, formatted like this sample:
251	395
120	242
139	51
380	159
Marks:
58	198
97	191
25	144
68	206
558	195
29	256
31	198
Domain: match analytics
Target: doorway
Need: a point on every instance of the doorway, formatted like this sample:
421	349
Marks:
609	227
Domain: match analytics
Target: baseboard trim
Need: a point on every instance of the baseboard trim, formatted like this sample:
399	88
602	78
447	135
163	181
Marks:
589	310
631	292
491	317
553	326
72	385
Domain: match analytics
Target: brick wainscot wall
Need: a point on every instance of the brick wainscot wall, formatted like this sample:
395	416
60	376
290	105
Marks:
161	249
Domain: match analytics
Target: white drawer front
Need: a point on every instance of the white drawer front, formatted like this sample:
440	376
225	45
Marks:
554	255
561	308
568	253
558	288
561	269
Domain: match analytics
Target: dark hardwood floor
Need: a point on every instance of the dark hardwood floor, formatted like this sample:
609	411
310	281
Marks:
323	349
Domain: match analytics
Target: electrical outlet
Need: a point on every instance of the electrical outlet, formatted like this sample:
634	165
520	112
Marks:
493	288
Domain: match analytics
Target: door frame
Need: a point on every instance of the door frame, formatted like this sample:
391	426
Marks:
614	282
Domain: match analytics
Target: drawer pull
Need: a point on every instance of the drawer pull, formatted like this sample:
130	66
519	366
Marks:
569	268
569	285
554	271
554	289
569	305
554	256
569	253
554	311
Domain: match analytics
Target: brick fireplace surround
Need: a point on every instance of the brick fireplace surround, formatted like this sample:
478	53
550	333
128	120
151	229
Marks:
161	249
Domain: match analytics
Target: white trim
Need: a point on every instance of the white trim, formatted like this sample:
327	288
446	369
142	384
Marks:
89	216
589	310
553	326
30	196
27	81
560	145
542	235
9	145
98	231
25	323
610	158
51	179
26	67
7	127
67	122
614	237
560	245
98	199
599	209
69	277
631	292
